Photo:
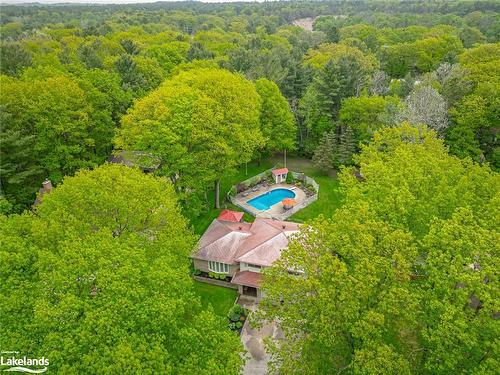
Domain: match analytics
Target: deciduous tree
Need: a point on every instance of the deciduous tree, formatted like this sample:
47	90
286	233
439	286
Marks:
202	124
98	281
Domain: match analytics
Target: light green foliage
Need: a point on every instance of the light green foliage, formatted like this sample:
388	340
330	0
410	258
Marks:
476	116
60	129
482	62
201	124
104	276
460	292
424	55
331	51
367	114
414	179
349	297
277	123
71	74
384	286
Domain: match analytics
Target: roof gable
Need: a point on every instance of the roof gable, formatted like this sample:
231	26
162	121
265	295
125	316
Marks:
228	215
259	242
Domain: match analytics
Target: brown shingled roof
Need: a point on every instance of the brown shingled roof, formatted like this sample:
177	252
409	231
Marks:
247	278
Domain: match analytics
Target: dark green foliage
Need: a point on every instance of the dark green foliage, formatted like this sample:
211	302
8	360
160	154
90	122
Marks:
347	145
330	89
235	314
325	155
336	148
129	46
13	58
198	52
89	56
132	78
21	172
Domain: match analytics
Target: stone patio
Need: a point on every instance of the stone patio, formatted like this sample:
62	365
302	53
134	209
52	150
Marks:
241	199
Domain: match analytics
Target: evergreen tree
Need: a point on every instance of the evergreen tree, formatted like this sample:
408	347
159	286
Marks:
324	155
347	145
329	89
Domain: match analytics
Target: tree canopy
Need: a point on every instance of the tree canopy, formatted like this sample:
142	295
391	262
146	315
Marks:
98	281
402	278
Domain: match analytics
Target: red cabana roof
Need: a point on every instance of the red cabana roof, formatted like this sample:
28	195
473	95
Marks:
280	171
228	215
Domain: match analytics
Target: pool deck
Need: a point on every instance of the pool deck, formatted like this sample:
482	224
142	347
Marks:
277	209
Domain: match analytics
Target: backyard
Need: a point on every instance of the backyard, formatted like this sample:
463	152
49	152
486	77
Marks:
328	200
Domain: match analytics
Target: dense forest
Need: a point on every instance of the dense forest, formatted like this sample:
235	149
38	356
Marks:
402	99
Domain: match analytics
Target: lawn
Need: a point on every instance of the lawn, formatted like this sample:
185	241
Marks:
201	222
221	299
329	198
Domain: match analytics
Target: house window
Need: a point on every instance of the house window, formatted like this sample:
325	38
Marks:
254	267
218	267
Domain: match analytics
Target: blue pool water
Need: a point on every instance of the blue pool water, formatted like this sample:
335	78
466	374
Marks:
266	200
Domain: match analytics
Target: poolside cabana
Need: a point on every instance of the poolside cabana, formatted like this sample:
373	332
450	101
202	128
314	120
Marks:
280	175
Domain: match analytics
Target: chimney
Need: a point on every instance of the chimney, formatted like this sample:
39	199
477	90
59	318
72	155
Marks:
47	186
240	228
283	226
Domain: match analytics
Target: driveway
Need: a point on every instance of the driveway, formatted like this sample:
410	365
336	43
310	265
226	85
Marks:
252	339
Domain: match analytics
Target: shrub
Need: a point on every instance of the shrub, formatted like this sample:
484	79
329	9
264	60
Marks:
232	316
197	272
235	313
238	309
239	325
232	326
240	187
289	178
211	274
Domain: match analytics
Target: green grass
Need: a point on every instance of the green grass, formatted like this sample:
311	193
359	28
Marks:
221	299
329	198
202	221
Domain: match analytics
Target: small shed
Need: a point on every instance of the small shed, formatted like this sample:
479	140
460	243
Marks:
280	175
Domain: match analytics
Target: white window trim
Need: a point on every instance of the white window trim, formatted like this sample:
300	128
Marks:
218	267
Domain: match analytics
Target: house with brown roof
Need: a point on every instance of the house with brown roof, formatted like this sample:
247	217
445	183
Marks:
240	250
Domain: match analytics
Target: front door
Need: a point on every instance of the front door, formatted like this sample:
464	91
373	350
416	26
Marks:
249	291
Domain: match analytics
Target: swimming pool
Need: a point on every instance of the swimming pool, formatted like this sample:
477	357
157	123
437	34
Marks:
266	200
